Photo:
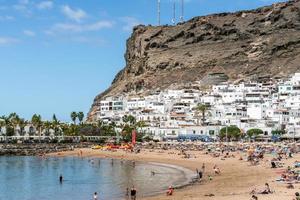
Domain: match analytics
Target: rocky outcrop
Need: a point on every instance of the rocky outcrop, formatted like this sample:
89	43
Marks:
265	41
36	149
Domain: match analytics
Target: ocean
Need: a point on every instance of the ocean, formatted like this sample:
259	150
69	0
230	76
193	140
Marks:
34	178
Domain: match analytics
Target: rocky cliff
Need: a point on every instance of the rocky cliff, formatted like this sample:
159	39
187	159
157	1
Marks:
265	41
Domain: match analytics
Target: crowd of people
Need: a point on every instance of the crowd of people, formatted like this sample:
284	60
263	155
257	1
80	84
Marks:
271	155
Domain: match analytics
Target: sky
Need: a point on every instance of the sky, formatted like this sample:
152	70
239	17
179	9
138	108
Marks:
57	55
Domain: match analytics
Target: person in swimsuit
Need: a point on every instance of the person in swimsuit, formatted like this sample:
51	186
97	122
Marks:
170	191
95	197
133	193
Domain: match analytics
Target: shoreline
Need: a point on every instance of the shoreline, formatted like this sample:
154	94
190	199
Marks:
235	182
188	172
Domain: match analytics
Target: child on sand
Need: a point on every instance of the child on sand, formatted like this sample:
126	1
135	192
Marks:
217	170
254	197
170	191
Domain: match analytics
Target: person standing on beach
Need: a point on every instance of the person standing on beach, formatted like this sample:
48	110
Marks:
127	192
200	175
133	193
61	179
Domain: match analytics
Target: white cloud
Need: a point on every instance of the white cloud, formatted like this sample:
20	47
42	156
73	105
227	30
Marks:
7	40
129	23
6	18
23	6
74	14
20	7
24	2
3	7
68	27
45	5
88	40
29	33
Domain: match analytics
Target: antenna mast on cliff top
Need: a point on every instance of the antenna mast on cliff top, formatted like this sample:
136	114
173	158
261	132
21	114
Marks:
174	13
182	11
158	12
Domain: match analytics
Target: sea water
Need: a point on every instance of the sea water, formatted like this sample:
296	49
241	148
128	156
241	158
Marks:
34	178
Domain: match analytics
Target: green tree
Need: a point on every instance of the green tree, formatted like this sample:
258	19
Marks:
278	132
233	132
130	125
54	118
2	124
14	120
47	126
5	123
73	117
36	120
10	131
129	119
80	116
56	125
254	132
22	124
201	108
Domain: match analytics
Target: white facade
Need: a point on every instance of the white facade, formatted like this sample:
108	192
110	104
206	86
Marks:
269	106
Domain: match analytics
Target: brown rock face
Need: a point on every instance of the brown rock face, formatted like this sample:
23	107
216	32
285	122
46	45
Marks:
265	41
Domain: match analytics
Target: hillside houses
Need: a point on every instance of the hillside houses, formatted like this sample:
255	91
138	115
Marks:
269	105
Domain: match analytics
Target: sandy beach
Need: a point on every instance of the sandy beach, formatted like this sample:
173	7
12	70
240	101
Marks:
235	182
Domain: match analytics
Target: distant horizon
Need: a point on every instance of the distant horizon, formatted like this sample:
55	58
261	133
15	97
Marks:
58	55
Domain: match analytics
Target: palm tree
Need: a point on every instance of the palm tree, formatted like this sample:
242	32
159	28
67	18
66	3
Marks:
74	117
55	124
9	131
54	118
22	124
2	123
201	108
129	119
80	116
37	122
48	126
14	120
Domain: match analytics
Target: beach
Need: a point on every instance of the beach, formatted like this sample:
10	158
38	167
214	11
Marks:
237	179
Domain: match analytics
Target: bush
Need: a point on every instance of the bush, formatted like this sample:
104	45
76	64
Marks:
278	132
233	132
254	132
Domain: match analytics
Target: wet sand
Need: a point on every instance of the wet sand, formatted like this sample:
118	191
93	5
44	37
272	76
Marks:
236	181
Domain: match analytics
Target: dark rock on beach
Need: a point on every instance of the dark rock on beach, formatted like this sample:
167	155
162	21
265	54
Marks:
36	149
